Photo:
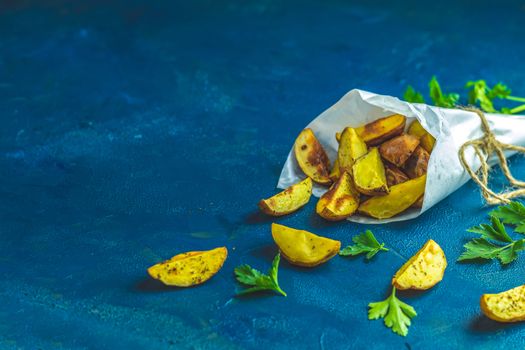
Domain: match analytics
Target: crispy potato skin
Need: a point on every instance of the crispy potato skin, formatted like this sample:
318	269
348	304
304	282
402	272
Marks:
340	201
422	271
399	149
401	197
394	175
289	200
351	147
417	164
369	174
304	248
508	306
189	269
380	130
312	158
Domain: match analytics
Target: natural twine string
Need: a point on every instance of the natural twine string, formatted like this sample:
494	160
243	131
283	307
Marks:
483	148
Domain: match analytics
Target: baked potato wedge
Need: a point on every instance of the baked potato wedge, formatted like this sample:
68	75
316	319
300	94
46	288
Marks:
335	172
398	150
426	140
340	201
394	175
303	248
312	158
289	200
401	197
424	270
189	269
368	173
417	164
508	306
380	130
351	147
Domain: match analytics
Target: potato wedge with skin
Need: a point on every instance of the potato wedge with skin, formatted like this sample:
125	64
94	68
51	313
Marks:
368	173
394	175
508	306
400	198
340	201
380	130
422	271
417	164
304	248
289	200
351	147
426	140
312	158
335	172
399	149
189	269
416	129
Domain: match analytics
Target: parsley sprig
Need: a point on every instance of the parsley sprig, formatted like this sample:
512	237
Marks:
494	241
396	314
479	94
258	281
364	243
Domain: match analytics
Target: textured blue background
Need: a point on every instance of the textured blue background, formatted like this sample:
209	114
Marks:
133	131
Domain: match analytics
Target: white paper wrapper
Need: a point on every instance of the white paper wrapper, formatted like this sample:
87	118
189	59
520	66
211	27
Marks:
450	127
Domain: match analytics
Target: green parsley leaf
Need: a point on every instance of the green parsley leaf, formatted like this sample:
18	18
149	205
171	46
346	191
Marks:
479	93
512	213
364	243
496	231
485	247
396	314
439	98
499	90
247	275
411	95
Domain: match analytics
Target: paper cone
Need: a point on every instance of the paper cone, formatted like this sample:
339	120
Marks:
451	128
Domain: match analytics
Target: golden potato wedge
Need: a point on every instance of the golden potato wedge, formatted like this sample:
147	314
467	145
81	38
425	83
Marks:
303	248
417	164
508	306
416	129
340	201
394	175
289	200
335	172
426	140
380	130
351	147
422	271
401	197
368	173
399	149
312	158
189	269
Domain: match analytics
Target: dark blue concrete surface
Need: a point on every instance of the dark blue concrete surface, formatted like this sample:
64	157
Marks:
132	131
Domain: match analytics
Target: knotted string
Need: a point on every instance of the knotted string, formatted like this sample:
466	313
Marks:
483	148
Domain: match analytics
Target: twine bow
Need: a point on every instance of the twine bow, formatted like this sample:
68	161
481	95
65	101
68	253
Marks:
483	148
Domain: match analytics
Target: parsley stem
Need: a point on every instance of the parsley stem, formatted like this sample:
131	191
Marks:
279	290
382	247
517	109
515	98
